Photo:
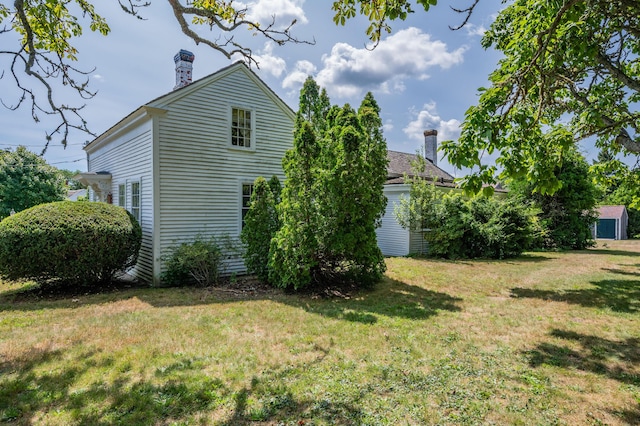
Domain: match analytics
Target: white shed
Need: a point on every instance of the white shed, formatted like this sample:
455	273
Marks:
393	240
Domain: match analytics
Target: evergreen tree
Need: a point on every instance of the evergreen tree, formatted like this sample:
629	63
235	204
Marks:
261	224
353	202
314	104
293	255
332	200
276	188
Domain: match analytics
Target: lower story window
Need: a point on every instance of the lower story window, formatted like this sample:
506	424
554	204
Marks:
247	190
135	200
122	195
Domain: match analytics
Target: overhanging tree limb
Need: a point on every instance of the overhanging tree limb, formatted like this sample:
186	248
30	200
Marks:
43	58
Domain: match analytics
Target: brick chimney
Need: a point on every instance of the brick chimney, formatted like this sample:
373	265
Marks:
431	146
184	67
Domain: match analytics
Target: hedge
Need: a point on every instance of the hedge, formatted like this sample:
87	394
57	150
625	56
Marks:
79	243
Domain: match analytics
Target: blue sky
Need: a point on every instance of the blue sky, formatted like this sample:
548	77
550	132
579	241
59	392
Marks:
423	75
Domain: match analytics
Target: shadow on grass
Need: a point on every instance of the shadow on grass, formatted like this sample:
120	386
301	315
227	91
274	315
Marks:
631	417
48	383
526	258
617	360
618	295
609	252
35	297
523	258
29	389
622	272
389	298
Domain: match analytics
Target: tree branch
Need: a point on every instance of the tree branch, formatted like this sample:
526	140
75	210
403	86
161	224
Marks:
53	70
236	21
43	58
605	61
469	11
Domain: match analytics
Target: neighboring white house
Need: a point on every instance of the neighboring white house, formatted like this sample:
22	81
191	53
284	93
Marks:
612	223
394	240
183	164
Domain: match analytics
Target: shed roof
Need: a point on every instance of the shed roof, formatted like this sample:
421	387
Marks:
611	212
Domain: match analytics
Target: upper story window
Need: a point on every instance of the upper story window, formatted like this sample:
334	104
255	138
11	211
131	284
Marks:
241	128
135	200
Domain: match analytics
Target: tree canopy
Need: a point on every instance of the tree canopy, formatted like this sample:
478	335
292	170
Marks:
27	180
566	216
571	71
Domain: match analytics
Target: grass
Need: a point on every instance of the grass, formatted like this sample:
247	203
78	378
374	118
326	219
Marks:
549	338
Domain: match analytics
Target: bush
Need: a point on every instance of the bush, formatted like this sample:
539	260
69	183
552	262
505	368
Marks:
633	229
566	216
261	224
478	228
196	262
77	243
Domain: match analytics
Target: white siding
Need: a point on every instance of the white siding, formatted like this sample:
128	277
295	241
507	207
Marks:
200	175
127	156
393	240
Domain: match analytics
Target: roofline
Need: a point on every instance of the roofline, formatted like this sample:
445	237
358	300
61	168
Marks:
183	91
150	109
131	120
428	178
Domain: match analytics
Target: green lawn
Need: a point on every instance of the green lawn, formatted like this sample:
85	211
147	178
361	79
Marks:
550	338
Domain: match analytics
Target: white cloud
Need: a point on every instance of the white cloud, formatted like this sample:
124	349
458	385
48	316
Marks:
295	79
98	77
475	30
270	63
348	71
285	12
428	118
387	126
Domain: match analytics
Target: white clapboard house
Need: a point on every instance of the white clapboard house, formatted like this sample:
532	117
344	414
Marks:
183	164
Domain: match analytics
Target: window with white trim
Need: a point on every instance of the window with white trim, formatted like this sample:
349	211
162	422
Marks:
241	128
122	195
135	200
247	190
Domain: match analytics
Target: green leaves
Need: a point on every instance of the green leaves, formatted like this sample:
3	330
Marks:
27	180
569	72
566	211
455	227
261	224
77	243
378	13
49	25
332	200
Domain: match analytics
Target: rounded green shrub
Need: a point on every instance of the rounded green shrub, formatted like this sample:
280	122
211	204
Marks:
194	262
77	243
